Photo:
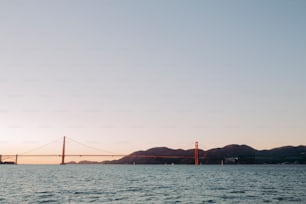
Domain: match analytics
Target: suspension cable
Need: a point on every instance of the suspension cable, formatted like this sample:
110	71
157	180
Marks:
40	147
90	147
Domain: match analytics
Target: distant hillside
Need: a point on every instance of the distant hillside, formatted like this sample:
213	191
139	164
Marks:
148	156
230	154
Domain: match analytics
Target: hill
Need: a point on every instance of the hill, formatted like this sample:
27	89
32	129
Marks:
230	154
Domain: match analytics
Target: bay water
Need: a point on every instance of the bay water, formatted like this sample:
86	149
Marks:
152	184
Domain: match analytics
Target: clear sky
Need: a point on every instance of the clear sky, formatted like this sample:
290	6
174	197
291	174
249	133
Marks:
129	75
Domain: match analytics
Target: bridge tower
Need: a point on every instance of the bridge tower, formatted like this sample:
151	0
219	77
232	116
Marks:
63	151
196	153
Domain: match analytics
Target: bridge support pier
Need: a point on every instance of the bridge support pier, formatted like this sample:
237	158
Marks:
196	154
0	159
16	159
63	151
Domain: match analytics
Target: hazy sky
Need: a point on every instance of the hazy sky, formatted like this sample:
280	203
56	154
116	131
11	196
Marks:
128	75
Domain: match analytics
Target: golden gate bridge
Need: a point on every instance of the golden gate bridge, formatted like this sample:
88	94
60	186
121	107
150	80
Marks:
63	155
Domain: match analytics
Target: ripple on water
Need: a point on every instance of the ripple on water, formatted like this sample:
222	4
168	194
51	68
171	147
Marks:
48	201
288	199
237	192
209	201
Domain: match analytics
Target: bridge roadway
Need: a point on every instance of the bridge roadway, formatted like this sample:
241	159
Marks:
98	155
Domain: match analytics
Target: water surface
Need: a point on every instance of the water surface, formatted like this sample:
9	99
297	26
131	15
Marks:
152	184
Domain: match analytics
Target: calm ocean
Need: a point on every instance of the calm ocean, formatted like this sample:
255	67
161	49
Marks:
152	184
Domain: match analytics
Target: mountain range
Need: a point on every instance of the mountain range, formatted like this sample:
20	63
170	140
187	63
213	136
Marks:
230	154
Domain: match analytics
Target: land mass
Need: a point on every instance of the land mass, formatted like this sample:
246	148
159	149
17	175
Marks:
230	154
